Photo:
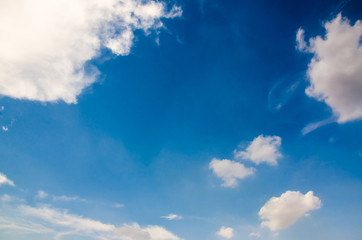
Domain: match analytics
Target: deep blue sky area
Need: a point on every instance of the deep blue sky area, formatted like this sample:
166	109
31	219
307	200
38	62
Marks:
143	135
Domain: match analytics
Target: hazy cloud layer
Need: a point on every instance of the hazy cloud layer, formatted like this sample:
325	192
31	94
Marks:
335	71
262	150
281	212
46	44
230	171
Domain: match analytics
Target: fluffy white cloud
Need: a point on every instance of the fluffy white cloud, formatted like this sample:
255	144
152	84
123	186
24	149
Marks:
5	180
261	149
172	217
225	232
335	71
46	44
281	212
230	171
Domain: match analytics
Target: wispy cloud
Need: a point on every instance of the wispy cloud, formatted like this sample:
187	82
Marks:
41	194
172	217
313	126
5	181
65	198
254	234
6	198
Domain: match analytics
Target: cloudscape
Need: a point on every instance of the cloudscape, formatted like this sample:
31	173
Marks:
180	120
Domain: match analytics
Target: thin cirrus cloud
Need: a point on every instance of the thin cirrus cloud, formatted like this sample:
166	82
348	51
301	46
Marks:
261	150
65	198
58	223
336	68
4	180
46	45
281	212
230	171
226	232
172	217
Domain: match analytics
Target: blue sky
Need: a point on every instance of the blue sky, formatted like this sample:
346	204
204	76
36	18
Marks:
168	120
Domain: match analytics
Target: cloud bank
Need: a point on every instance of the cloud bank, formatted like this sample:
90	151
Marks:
262	150
335	71
46	45
281	212
230	171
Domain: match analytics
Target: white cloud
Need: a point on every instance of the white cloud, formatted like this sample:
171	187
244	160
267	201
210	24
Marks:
5	128
230	171
4	180
172	217
254	234
159	233
46	44
313	126
281	212
225	232
6	198
62	223
41	194
301	44
64	219
262	149
68	198
335	70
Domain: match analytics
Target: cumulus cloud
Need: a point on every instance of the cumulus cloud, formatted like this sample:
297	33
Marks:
225	232
46	45
281	212
4	180
230	171
335	71
172	217
261	149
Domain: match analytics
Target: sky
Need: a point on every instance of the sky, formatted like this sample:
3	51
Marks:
180	119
